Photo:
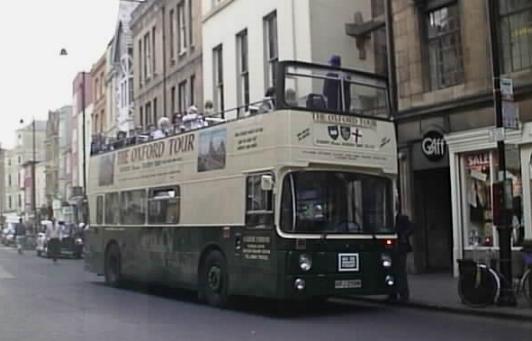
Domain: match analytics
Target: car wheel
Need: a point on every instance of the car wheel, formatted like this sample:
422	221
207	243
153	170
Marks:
214	280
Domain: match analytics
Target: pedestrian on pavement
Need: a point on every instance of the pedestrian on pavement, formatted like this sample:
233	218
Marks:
20	236
53	231
404	229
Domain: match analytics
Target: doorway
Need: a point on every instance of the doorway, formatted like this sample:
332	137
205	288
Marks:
433	219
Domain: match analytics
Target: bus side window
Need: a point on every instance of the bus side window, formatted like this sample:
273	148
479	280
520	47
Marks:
163	205
99	210
259	204
112	209
133	207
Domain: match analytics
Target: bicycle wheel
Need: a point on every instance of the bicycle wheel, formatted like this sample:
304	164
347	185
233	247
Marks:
526	286
479	286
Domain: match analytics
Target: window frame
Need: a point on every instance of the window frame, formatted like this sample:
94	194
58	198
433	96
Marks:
182	96
270	200
145	199
439	79
173	33
242	61
218	78
100	209
150	198
271	48
106	208
506	49
181	29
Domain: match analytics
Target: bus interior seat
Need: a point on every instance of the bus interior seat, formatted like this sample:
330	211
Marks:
316	101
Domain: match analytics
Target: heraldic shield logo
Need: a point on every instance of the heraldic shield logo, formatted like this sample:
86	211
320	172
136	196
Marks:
345	131
333	132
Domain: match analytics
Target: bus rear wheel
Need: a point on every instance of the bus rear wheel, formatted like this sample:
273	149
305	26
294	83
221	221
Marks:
113	264
214	280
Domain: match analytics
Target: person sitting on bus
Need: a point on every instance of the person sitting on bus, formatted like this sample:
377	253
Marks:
290	97
268	103
208	110
163	130
193	119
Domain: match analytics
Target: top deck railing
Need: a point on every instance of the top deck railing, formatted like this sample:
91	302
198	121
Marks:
298	86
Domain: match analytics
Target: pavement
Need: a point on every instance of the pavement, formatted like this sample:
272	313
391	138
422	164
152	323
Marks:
42	301
439	292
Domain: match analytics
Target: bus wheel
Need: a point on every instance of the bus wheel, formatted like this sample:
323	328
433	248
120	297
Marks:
112	270
214	280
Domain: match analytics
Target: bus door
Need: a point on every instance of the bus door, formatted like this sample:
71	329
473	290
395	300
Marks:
253	246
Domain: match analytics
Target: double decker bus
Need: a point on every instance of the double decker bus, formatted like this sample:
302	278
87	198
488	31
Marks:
294	203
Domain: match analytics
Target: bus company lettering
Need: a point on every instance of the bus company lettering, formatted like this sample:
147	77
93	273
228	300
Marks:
157	150
343	119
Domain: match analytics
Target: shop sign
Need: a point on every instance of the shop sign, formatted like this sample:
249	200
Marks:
478	161
433	146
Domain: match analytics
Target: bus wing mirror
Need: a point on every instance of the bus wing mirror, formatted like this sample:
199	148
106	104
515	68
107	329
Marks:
266	183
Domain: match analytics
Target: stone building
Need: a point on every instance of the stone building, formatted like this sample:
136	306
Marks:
167	58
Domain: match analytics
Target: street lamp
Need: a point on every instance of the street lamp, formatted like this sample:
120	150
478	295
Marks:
64	52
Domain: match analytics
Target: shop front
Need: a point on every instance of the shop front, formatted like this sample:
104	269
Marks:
474	171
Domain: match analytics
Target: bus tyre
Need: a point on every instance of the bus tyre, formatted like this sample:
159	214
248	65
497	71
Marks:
112	266
214	280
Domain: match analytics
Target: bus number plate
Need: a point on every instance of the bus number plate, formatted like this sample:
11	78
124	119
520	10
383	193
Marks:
347	262
348	284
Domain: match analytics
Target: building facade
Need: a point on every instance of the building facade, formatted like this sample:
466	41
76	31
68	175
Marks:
167	59
444	84
239	60
100	114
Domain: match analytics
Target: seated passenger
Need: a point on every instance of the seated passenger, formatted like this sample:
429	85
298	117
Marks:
290	98
268	103
193	119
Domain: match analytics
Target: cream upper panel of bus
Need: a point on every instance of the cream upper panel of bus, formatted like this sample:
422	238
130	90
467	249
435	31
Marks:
265	141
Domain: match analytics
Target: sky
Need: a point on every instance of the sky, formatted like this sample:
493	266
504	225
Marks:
34	78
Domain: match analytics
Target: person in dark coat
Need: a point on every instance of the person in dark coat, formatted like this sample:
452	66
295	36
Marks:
404	229
332	88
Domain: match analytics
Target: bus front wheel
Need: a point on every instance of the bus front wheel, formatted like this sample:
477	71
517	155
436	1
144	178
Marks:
214	280
113	275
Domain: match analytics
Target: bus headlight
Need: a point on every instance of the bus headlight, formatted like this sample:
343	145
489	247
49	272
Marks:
299	284
386	260
390	281
305	262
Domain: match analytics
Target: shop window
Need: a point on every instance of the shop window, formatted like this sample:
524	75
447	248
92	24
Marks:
479	175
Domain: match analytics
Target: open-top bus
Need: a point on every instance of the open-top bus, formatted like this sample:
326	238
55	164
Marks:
296	203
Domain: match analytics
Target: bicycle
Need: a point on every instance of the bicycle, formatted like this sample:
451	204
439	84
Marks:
480	285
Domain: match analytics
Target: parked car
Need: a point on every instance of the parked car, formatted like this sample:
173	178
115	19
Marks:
71	243
8	235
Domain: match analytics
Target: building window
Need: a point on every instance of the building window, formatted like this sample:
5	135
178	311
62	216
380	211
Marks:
516	34
190	24
10	203
172	100
218	81
271	48
182	96
141	116
154	51
172	35
9	180
147	57
181	26
242	71
96	88
444	47
192	92
155	114
147	114
163	206
102	121
140	58
19	201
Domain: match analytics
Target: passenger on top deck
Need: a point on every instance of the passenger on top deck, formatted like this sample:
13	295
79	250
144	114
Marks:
332	89
268	103
193	119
